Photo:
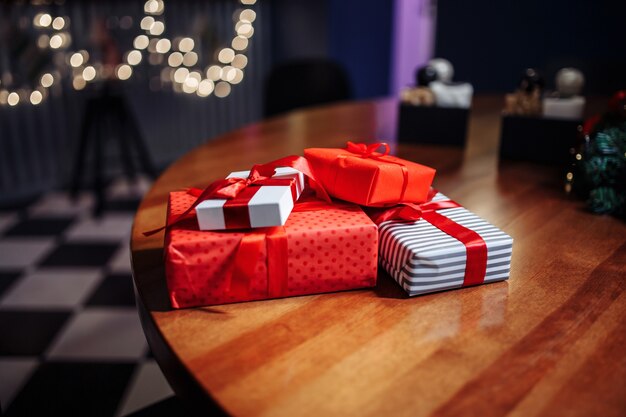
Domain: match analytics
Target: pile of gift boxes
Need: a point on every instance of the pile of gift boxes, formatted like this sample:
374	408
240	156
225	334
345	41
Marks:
322	223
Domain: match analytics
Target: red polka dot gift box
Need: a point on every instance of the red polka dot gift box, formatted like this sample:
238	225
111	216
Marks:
321	248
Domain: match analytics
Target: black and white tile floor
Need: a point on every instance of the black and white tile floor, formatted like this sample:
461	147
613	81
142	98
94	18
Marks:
70	338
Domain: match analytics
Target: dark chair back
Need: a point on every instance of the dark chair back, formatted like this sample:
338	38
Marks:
305	83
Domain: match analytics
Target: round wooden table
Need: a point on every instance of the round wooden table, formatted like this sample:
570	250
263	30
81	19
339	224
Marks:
550	341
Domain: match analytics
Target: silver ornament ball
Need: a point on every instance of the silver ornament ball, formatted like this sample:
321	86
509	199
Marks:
444	69
569	81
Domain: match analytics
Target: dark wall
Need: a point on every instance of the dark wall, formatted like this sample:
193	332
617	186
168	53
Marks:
299	29
491	42
360	39
357	34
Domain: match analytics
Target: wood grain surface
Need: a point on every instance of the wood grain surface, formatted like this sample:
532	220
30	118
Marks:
549	342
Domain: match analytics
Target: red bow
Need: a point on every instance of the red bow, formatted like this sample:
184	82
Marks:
259	175
409	211
231	187
367	151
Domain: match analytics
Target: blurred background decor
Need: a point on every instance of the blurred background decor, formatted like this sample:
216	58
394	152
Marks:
598	171
170	57
436	109
539	125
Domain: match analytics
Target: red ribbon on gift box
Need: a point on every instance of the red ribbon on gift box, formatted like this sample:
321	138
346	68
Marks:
475	246
231	188
369	152
243	270
237	209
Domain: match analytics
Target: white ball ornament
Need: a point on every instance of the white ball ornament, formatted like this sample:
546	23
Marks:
445	70
569	82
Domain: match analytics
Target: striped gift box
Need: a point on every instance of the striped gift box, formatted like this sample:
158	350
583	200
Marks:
424	259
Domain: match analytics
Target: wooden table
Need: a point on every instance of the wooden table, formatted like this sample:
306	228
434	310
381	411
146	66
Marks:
551	341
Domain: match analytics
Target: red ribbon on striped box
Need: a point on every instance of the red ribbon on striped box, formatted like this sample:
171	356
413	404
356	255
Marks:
423	256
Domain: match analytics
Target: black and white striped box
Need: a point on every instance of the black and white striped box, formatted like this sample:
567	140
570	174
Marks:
423	258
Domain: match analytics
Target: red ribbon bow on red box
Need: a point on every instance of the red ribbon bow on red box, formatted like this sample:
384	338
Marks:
369	151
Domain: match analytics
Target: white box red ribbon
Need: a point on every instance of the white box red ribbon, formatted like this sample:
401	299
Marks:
255	206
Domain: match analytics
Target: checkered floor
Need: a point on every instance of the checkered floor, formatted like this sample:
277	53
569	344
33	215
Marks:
70	338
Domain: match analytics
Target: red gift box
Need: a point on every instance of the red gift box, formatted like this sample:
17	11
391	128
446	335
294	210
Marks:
321	248
363	176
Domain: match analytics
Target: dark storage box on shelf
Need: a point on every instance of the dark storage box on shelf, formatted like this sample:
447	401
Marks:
434	125
537	139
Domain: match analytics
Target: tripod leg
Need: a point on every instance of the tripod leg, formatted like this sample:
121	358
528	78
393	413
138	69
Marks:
81	154
131	128
98	181
124	146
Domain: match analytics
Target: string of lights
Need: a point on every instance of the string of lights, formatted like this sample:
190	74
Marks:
179	57
55	37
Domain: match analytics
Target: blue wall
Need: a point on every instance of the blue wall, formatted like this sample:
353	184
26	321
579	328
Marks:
491	43
357	34
299	29
360	39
